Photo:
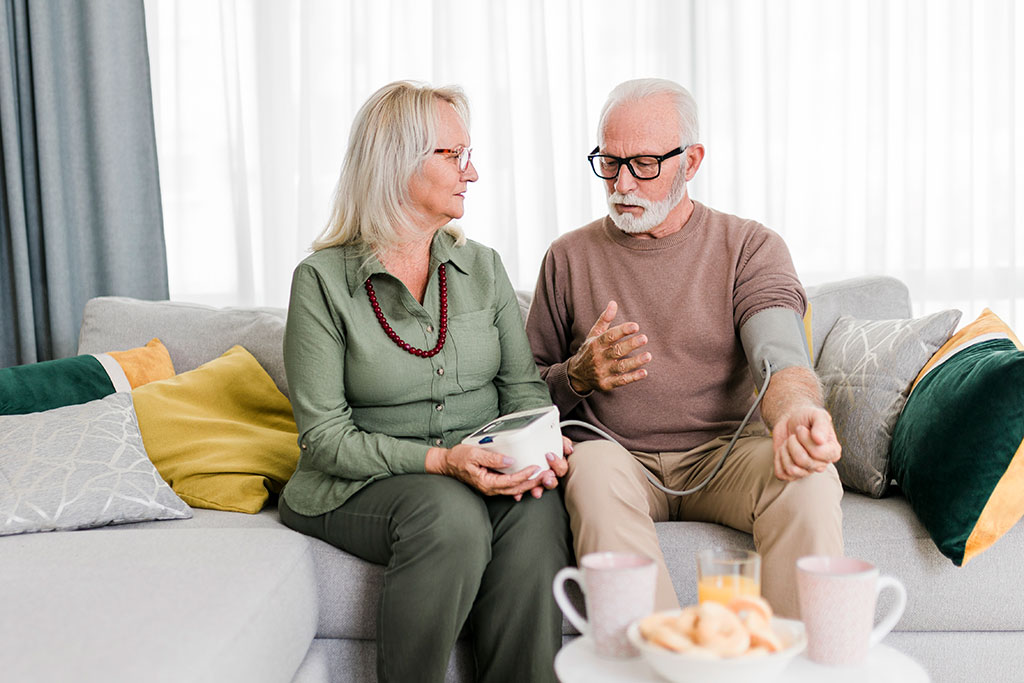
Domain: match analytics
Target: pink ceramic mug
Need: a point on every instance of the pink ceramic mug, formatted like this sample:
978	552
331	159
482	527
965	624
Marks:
618	588
837	605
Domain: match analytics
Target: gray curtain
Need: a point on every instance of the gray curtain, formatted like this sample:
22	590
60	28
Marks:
80	212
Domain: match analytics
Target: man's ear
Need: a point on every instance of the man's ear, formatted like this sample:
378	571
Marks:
694	155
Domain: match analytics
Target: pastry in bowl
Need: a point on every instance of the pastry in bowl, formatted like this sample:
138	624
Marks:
741	641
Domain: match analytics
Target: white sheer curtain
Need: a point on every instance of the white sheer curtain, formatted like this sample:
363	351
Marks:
877	136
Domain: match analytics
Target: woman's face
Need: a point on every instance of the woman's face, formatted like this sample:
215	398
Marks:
436	191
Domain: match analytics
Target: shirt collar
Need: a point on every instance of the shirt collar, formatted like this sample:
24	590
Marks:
363	262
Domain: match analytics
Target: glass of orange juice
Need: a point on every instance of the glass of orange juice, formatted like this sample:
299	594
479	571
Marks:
723	574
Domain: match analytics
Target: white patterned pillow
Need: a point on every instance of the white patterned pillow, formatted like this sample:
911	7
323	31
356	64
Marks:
866	368
78	467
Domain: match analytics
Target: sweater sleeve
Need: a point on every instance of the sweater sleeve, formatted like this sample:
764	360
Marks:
549	329
765	278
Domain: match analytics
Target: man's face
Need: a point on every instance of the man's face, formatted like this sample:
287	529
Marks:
650	126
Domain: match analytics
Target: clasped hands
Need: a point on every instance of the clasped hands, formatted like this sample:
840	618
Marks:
805	442
478	467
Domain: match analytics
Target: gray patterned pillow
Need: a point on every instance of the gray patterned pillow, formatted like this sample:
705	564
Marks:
866	369
78	467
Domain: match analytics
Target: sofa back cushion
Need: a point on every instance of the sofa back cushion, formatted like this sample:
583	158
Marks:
195	334
873	297
192	333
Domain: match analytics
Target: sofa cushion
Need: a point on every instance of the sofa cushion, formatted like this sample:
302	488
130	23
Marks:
145	605
192	333
68	381
872	297
866	368
242	441
958	448
887	533
77	467
940	597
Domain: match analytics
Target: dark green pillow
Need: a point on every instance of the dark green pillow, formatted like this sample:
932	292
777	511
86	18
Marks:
957	446
71	381
52	384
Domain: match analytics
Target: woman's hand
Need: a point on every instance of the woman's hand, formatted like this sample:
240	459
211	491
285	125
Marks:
476	467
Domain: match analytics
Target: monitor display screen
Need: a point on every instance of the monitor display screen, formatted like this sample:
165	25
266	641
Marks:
508	425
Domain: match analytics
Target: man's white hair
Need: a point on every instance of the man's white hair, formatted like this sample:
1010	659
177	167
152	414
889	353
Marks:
641	88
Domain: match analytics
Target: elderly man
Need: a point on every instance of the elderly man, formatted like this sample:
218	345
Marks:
704	299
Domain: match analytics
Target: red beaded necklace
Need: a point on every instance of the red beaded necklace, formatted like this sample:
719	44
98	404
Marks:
442	333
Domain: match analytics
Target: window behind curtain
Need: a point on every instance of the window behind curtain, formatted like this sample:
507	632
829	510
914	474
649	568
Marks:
877	137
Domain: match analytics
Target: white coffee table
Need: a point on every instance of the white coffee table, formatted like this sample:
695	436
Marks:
577	662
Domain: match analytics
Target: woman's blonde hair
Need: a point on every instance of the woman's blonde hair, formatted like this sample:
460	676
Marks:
394	132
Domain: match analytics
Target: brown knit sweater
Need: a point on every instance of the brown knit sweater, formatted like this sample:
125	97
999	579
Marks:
690	292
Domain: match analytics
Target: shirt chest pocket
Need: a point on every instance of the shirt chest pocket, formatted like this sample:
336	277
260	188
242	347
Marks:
477	351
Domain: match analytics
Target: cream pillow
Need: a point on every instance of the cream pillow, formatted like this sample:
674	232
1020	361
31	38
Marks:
866	368
78	467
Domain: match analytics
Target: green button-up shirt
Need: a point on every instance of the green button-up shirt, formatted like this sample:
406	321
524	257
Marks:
365	408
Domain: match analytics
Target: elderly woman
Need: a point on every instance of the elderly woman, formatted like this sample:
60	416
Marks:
402	338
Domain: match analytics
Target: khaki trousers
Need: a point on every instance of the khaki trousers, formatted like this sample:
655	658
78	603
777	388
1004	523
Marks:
613	506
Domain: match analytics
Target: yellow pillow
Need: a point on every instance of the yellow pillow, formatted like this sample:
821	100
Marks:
222	435
145	364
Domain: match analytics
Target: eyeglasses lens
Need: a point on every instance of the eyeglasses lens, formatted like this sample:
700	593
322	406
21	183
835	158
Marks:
643	167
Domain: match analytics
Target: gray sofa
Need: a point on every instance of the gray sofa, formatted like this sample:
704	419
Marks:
233	597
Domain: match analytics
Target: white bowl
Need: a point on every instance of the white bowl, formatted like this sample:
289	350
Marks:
679	667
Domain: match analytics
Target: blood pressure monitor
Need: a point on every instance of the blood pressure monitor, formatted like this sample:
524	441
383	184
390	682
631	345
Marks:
526	437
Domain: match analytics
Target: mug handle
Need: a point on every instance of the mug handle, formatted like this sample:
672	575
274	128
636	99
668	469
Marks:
894	614
563	575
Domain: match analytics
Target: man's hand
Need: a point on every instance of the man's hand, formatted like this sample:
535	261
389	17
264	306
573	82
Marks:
601	363
805	442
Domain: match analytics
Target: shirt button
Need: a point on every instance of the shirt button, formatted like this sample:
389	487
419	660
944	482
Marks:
303	446
430	328
440	371
439	407
438	442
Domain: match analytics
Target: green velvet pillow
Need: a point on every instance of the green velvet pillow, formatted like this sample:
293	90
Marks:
53	384
958	446
867	368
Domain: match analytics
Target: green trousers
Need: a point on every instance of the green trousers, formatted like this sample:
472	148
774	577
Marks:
455	558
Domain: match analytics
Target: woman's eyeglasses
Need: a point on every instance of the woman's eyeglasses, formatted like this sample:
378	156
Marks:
461	153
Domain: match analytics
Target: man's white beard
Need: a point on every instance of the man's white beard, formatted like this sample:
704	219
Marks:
654	213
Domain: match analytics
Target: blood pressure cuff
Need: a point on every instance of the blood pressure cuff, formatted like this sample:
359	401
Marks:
776	335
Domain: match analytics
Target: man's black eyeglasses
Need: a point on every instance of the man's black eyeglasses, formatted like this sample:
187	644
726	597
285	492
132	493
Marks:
643	166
